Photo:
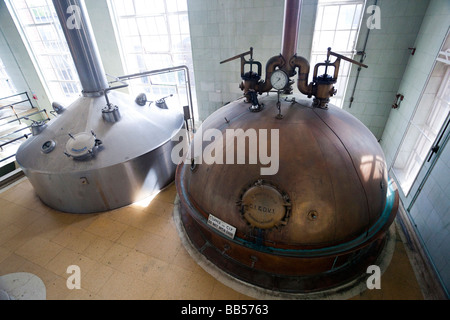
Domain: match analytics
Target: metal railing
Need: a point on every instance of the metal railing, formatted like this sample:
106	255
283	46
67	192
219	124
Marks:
183	68
12	105
10	138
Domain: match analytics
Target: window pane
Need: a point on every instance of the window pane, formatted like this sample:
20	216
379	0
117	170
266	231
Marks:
38	22
337	26
432	112
157	36
357	18
341	41
346	16
330	17
326	40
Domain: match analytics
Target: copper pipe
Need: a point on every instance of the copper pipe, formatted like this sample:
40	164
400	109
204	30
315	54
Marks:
292	12
303	74
272	64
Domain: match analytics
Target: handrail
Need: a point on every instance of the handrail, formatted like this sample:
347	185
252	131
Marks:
27	116
13	133
163	71
7	158
18	95
11	105
18	118
14	140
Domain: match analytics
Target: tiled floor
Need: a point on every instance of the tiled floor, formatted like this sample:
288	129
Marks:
133	253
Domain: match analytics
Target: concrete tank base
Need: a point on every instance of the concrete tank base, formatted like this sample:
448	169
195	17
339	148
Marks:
348	289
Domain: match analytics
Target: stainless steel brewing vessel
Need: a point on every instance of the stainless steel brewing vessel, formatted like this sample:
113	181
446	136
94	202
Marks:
104	151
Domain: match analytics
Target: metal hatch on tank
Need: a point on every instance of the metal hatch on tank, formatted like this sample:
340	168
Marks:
106	150
317	222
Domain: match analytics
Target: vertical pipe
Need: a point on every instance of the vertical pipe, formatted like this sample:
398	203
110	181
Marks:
292	12
81	41
363	57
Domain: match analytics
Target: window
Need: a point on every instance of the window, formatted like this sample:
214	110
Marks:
6	86
47	45
337	26
432	113
154	35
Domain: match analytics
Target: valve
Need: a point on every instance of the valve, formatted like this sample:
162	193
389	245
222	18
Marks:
323	85
250	78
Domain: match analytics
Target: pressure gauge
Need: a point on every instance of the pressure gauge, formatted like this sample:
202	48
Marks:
279	79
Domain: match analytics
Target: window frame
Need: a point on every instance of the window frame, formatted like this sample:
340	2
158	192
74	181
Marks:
439	130
317	53
157	86
47	64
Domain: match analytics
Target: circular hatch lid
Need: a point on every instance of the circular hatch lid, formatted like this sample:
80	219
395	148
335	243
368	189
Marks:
81	146
264	206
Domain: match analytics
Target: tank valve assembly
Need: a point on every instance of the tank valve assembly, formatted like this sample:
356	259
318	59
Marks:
250	79
278	74
161	103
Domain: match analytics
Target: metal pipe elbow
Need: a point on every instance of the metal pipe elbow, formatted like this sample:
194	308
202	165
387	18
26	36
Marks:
272	64
303	74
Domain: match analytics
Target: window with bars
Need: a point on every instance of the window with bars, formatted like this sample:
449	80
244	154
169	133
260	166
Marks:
43	35
431	115
6	86
153	35
337	26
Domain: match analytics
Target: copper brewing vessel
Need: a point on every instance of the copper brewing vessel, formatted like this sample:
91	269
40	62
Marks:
327	210
323	216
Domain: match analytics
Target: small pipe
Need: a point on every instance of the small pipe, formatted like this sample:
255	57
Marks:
363	57
271	65
303	75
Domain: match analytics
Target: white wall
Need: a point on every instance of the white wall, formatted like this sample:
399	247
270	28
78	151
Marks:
103	29
221	29
387	56
224	28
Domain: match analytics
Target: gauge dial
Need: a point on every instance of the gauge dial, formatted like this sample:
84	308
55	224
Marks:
279	80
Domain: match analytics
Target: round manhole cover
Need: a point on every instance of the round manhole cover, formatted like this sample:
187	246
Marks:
264	207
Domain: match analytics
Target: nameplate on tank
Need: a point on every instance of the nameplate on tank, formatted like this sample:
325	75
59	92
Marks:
221	226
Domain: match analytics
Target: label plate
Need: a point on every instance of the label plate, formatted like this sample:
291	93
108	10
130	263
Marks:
221	226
